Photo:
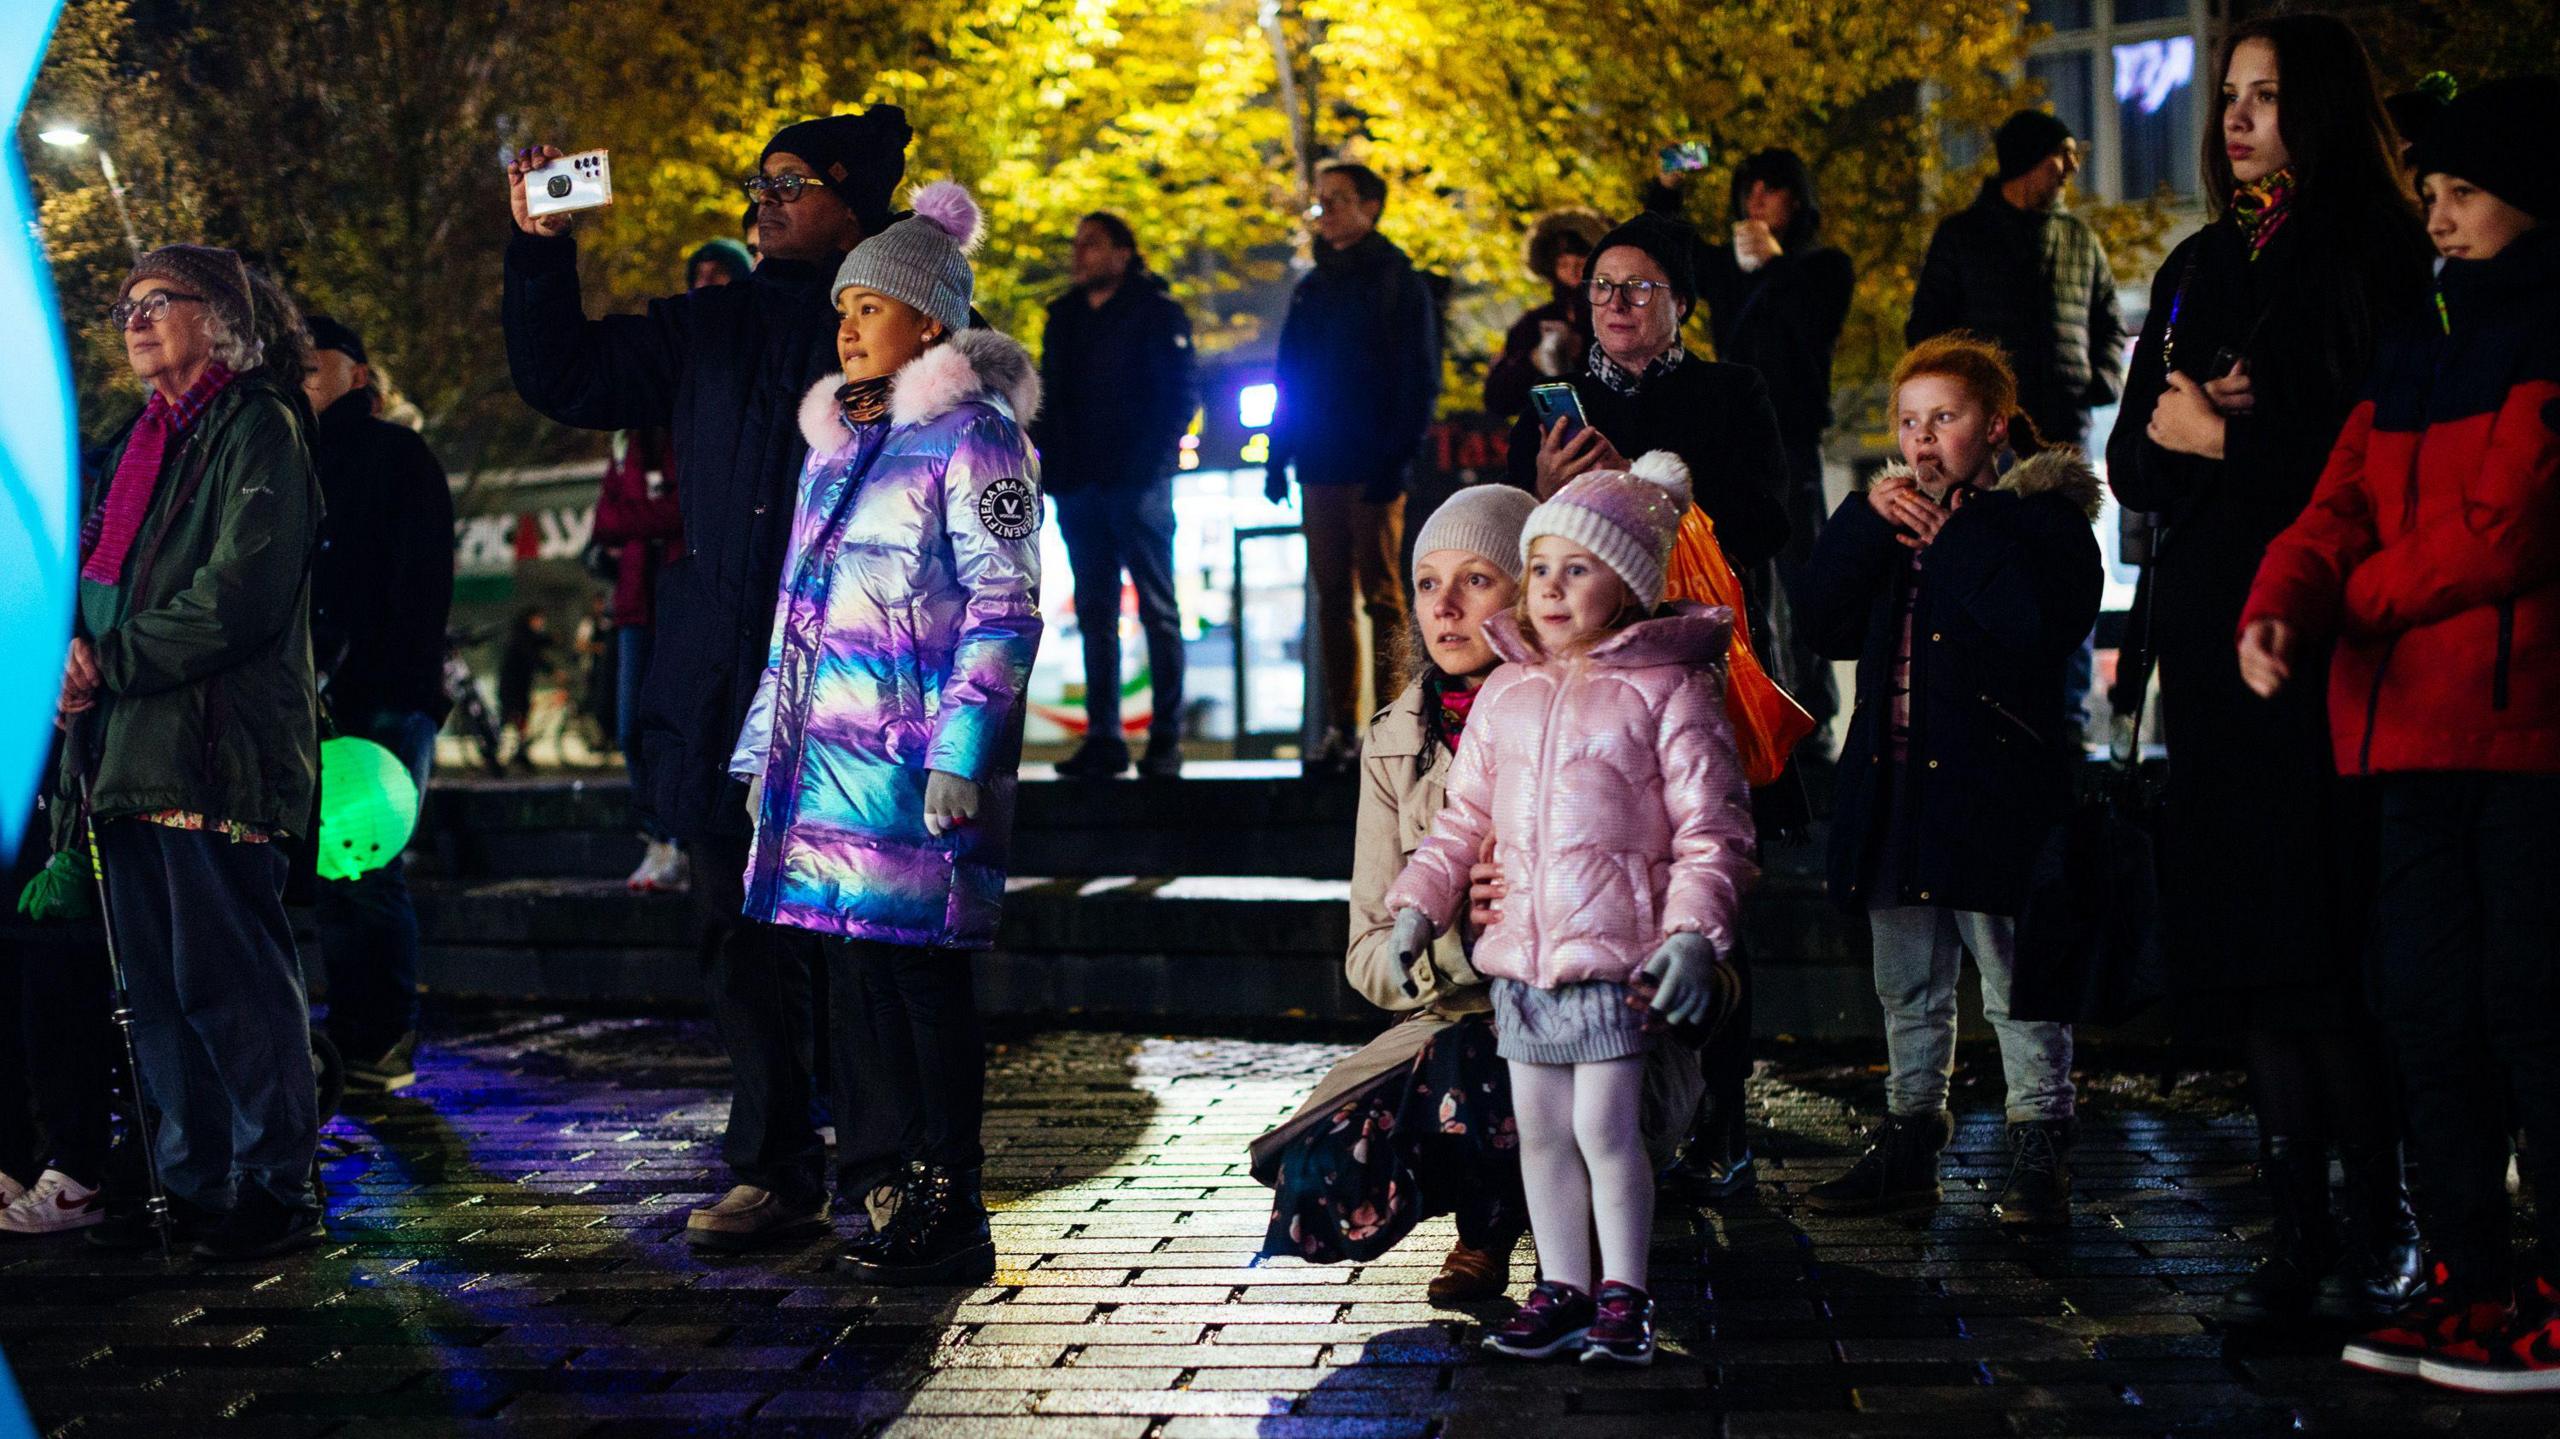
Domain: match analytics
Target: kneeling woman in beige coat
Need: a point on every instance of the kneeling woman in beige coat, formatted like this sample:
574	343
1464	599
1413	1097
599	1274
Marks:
1418	1123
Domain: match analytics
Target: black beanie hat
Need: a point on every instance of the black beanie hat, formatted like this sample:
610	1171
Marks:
861	157
1669	242
2496	135
330	333
2026	140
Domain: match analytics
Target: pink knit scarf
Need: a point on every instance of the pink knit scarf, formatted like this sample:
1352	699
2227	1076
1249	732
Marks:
138	474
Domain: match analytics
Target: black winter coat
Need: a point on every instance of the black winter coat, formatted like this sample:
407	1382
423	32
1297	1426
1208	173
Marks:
1716	418
1782	319
1359	370
2266	860
2038	283
1118	387
1514	372
382	584
725	368
2007	590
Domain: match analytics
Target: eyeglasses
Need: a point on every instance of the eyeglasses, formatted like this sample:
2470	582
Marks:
148	309
1639	293
783	189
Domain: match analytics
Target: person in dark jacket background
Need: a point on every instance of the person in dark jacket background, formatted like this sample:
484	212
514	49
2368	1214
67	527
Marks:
2262	330
1776	299
1116	367
1961	592
725	367
1359	374
381	591
2428	564
1548	342
193	718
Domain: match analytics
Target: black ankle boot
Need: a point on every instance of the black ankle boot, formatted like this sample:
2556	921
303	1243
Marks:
2304	1244
938	1236
1898	1171
2381	1269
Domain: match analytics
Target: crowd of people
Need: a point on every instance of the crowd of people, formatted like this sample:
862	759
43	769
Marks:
2340	431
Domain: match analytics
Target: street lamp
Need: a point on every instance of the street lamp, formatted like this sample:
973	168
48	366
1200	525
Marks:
69	137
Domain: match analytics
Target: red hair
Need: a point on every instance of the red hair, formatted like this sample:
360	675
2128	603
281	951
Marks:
1982	367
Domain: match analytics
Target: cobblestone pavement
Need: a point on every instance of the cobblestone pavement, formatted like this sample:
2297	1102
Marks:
506	1261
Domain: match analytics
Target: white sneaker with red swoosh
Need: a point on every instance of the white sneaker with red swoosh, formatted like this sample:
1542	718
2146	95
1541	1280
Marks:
57	1203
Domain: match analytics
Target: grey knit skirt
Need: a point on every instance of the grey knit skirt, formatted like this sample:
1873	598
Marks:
1584	1023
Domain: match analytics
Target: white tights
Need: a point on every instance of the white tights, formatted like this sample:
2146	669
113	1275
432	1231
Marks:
1583	1163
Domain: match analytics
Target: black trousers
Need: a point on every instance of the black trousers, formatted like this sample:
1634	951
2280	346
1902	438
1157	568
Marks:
1806	675
787	1030
54	1008
1108	531
2466	980
926	1061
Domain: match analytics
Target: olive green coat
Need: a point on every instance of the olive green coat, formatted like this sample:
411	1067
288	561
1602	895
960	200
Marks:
204	647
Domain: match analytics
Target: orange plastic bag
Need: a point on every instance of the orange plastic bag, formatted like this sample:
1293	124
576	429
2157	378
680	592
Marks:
1767	722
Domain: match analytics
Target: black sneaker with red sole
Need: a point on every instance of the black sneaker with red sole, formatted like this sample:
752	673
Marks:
1555	1320
2446	1316
1622	1331
2523	1357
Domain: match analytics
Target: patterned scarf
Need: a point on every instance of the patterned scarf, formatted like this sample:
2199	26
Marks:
1455	701
1627	382
109	532
865	401
2260	208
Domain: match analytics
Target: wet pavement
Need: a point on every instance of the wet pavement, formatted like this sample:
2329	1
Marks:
505	1260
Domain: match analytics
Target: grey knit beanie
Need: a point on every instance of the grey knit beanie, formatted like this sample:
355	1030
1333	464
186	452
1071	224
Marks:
922	259
1481	520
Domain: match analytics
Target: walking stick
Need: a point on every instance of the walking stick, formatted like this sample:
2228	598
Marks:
156	1204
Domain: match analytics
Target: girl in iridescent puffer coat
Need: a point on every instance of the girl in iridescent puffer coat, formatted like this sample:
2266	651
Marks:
884	737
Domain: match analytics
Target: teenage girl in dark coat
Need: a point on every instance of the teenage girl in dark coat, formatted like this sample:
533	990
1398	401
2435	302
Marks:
2262	327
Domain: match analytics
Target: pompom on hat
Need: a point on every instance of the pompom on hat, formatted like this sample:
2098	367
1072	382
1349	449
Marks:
1629	518
923	259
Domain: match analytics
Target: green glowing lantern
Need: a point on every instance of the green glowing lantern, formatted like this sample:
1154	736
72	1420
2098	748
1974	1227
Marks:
368	806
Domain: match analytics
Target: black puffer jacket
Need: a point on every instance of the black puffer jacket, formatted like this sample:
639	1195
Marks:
2006	591
1118	388
725	368
1359	370
382	586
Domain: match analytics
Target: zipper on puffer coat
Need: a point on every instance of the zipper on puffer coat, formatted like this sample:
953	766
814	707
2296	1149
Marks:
1615	798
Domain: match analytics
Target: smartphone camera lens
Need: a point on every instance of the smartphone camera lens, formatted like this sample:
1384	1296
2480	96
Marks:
558	187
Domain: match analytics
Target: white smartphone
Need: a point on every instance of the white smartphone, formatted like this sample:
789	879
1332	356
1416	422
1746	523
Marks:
573	182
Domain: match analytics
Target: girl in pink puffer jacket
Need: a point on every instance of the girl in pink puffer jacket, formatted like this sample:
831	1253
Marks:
1602	765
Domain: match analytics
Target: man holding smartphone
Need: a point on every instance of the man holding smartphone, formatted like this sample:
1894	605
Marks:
724	367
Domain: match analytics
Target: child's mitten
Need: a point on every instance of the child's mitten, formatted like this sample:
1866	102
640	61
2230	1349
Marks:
1683	974
1413	936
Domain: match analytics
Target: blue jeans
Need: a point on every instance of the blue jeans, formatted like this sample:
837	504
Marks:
1917	951
221	1022
368	929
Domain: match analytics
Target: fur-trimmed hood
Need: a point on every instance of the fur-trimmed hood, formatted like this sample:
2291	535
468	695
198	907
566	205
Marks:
2060	470
973	363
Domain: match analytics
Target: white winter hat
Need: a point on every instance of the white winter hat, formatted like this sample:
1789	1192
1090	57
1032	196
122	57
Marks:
1629	518
1480	520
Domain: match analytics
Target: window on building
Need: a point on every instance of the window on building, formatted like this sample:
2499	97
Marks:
2143	56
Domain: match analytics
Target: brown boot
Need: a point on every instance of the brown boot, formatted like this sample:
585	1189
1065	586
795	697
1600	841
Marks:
1468	1275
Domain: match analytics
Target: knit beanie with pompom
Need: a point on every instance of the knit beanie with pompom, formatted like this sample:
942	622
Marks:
1628	518
922	259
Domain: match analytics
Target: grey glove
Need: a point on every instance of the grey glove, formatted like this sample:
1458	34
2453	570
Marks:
949	802
1683	972
1412	941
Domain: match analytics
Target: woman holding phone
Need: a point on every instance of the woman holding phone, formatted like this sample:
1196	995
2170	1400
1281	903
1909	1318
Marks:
2262	328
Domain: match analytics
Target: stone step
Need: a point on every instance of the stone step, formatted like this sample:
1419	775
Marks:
1237	819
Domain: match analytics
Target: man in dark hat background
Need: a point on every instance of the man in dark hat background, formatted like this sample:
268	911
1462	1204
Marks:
724	367
381	591
2016	267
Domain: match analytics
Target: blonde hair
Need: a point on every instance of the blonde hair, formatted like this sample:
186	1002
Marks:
1628	612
